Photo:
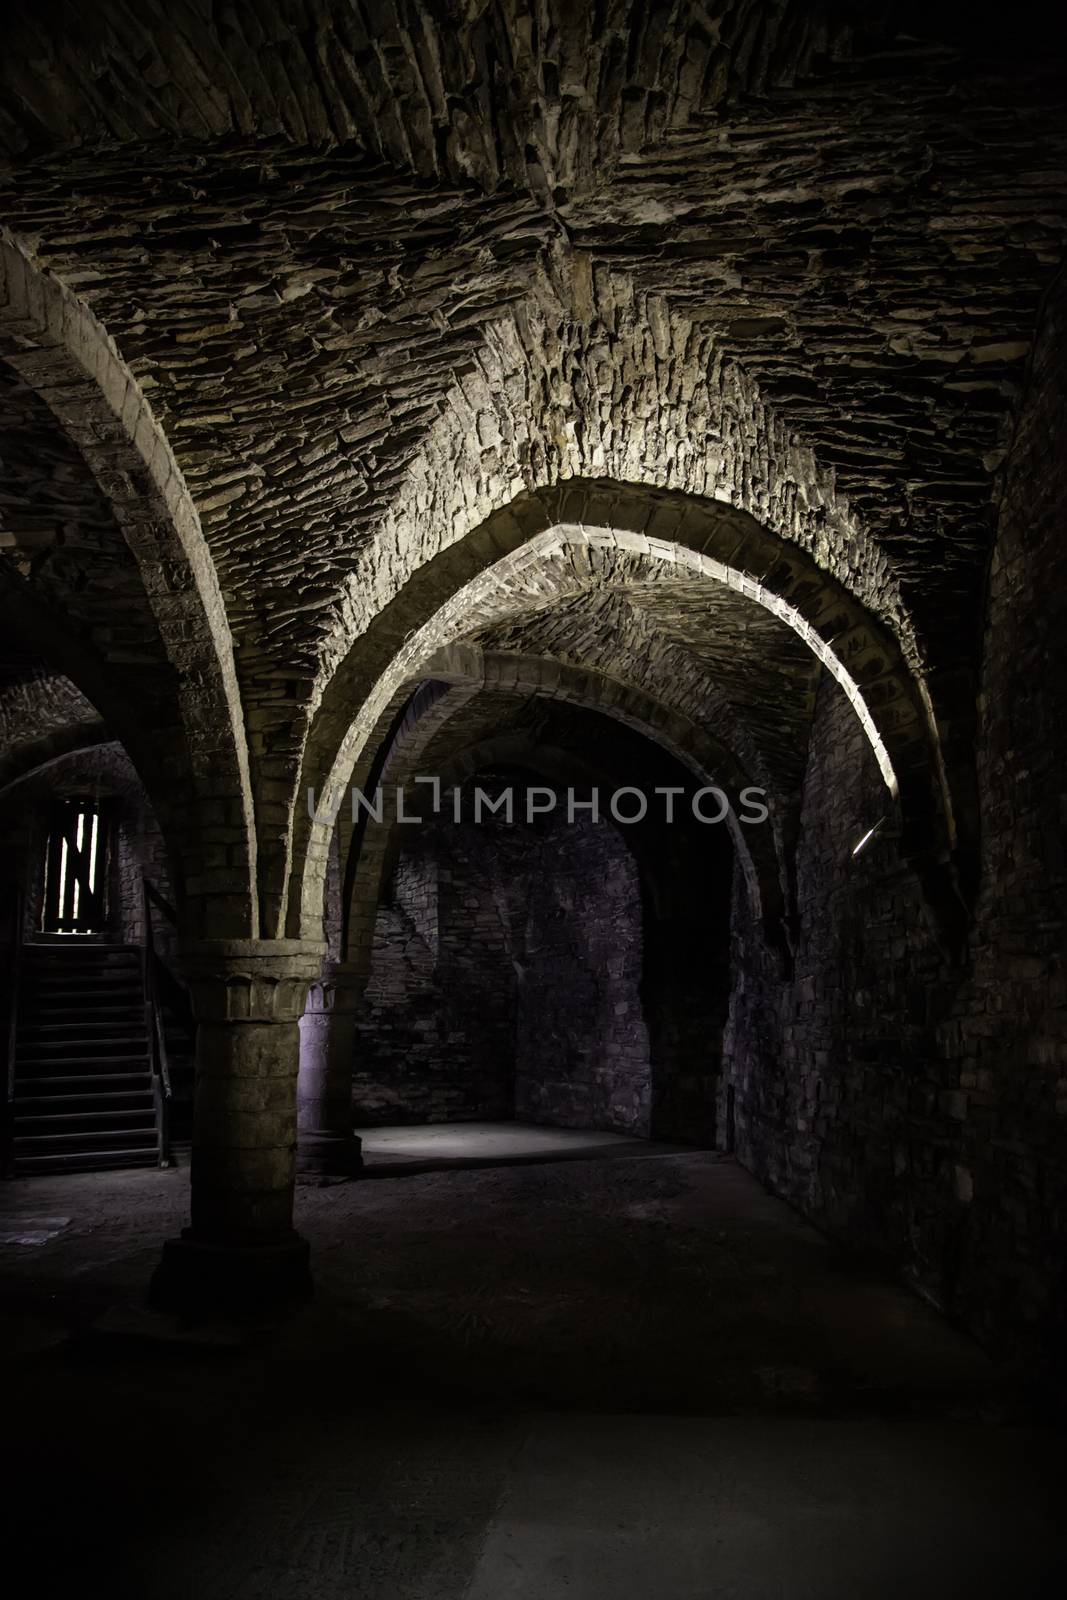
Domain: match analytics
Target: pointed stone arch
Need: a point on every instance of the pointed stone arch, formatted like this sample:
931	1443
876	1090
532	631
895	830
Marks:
66	358
471	674
728	546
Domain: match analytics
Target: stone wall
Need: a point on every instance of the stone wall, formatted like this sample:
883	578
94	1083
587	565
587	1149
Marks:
833	344
435	1036
582	1048
505	979
38	702
1008	1045
912	1105
837	1086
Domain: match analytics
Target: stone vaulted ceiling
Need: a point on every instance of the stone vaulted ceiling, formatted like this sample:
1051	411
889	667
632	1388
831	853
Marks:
766	683
378	267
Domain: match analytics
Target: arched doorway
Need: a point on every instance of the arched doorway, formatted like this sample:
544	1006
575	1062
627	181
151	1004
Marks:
551	942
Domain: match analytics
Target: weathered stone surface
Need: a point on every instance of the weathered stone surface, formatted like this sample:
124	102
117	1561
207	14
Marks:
907	1102
240	1247
779	261
547	970
319	323
42	716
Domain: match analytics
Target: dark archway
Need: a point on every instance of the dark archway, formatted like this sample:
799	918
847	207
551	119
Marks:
625	924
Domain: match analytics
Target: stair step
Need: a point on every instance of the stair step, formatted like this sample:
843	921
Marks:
126	1039
87	1066
66	999
55	1080
120	1121
90	1051
34	1051
65	1114
115	1138
122	1110
77	941
47	1069
45	957
106	996
24	1101
81	988
40	956
84	1090
60	966
95	1017
81	978
76	968
59	1035
63	1021
86	1161
93	1023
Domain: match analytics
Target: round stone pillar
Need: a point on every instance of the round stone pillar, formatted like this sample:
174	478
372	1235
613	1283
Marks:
326	1146
240	1247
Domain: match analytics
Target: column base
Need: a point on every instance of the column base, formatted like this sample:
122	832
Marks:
196	1276
326	1157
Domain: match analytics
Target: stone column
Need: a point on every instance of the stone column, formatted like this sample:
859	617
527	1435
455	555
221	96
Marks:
327	1147
240	1247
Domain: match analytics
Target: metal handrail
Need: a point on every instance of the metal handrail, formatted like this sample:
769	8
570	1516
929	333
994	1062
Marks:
154	898
161	1084
15	981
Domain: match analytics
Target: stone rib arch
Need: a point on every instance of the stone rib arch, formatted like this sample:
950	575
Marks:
709	759
569	386
731	547
38	704
104	700
35	755
64	355
369	852
562	391
611	586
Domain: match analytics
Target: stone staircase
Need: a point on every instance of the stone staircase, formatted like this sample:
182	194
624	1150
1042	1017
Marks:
84	1092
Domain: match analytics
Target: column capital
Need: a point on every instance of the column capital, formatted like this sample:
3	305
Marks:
250	980
336	990
328	1148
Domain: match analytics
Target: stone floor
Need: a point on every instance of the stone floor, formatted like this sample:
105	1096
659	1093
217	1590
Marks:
435	1146
639	1379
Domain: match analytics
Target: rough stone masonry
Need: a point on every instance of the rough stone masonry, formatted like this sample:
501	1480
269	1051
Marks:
582	391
